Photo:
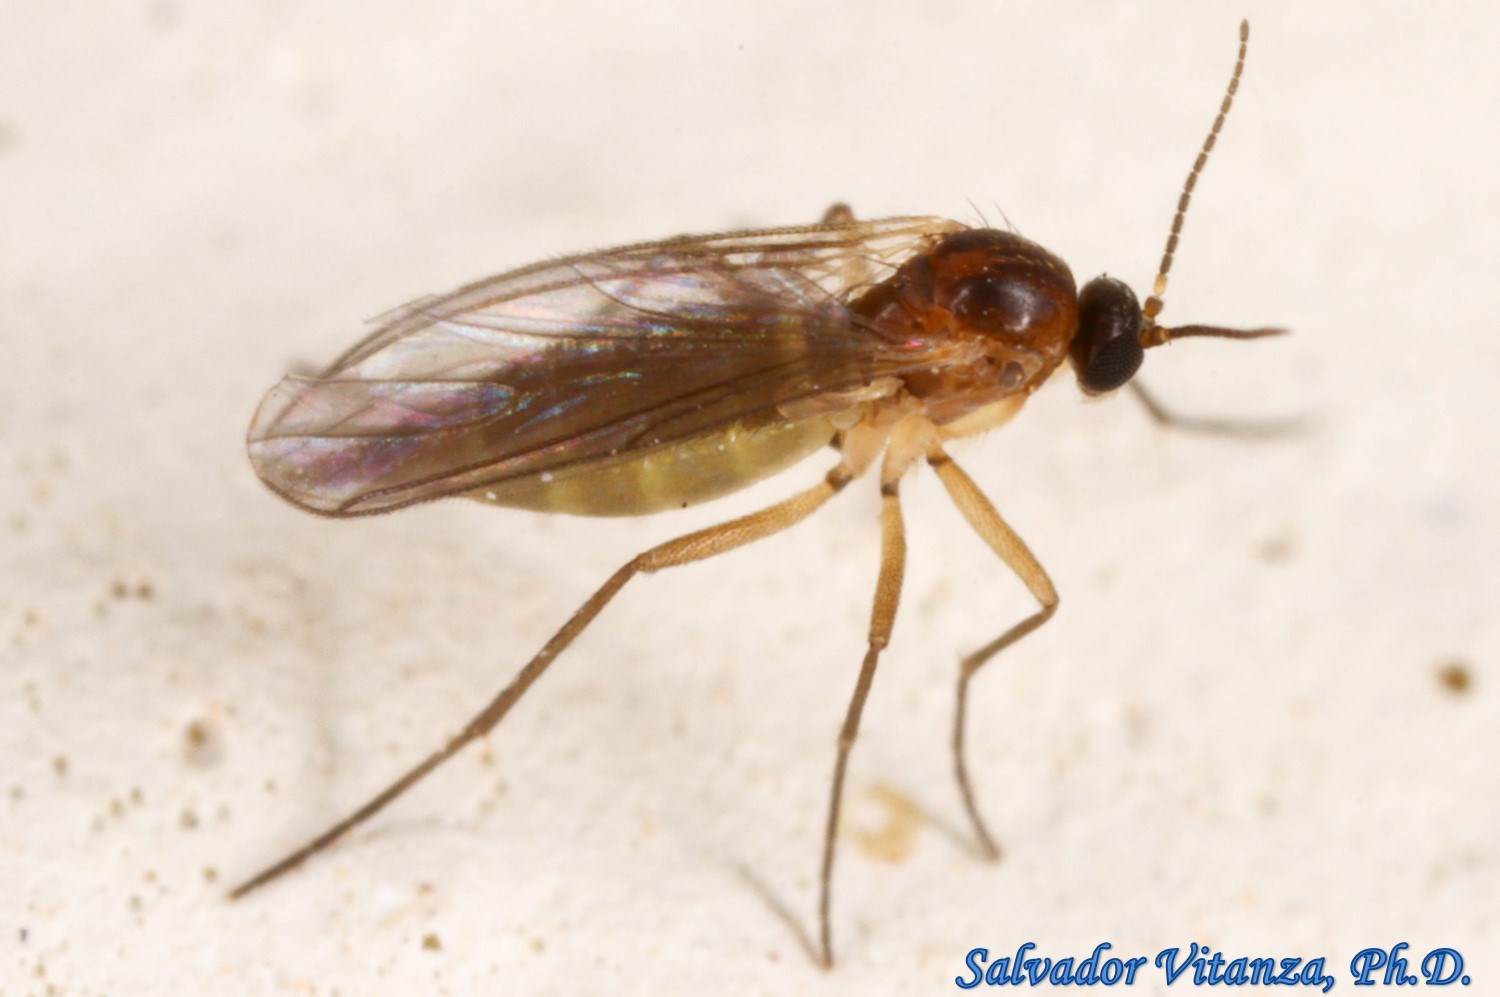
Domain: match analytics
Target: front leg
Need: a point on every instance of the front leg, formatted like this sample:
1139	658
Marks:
993	530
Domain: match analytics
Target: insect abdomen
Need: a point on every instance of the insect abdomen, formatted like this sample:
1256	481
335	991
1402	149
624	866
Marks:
666	477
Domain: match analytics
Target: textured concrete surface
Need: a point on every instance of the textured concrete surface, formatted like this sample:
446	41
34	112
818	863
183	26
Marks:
1246	727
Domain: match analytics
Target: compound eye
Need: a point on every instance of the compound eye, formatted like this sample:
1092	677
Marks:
1107	350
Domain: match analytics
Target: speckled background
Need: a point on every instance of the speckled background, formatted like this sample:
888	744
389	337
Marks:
1246	726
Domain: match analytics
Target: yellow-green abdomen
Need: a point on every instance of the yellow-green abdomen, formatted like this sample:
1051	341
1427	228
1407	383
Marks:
666	477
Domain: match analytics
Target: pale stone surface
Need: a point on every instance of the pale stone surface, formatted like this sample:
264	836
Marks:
1234	732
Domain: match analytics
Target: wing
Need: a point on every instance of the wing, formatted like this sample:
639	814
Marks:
586	358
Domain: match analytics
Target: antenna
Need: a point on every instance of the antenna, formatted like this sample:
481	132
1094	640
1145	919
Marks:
1153	305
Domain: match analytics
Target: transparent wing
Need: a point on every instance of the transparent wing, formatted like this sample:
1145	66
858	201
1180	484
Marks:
586	358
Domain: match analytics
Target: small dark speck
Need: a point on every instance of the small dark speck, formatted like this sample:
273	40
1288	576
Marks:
1278	548
202	743
25	934
60	765
121	589
1456	678
432	943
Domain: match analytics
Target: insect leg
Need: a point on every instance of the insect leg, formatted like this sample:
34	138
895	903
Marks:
856	271
694	546
993	530
837	214
1248	428
882	617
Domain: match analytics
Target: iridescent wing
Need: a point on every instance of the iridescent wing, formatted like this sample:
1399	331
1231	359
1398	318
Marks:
585	358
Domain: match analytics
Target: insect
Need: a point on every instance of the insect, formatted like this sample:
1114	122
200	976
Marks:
662	374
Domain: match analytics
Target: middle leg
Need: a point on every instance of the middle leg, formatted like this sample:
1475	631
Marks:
882	619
